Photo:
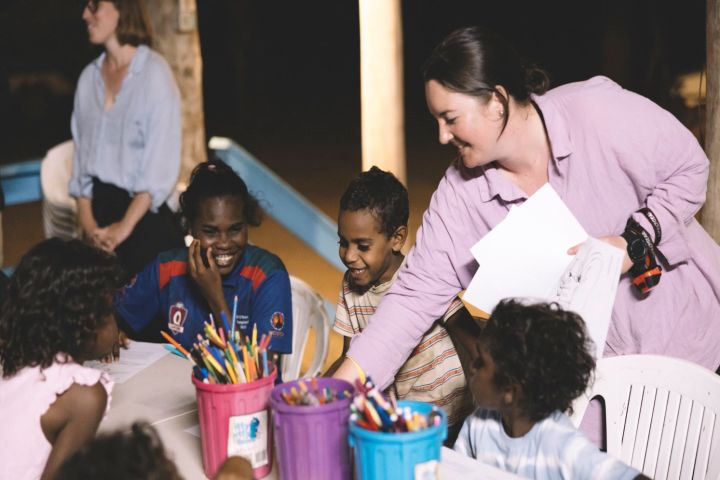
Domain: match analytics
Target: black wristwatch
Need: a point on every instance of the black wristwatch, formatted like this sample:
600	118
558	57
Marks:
645	271
637	248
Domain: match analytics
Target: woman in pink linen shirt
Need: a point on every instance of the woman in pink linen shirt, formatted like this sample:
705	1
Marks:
607	152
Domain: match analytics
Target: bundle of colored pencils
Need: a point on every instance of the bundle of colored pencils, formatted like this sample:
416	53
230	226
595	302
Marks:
224	356
372	411
311	397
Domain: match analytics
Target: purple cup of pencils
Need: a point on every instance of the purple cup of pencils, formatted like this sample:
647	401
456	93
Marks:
404	445
310	420
235	420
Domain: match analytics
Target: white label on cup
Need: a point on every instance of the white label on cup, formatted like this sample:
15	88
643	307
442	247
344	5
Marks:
427	470
247	437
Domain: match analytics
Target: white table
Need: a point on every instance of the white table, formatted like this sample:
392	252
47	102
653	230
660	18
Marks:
163	395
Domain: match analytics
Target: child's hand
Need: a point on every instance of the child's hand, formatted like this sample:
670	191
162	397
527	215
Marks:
235	468
206	278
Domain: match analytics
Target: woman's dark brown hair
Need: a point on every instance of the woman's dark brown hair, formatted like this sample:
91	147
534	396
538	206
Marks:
474	61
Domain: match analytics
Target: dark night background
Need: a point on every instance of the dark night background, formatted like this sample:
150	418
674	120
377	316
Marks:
287	72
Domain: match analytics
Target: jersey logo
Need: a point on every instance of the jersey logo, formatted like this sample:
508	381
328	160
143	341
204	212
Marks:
177	316
277	320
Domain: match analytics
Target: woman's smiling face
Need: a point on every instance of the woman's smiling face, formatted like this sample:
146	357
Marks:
220	224
472	125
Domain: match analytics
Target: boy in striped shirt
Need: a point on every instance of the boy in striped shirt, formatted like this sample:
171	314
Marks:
531	362
372	229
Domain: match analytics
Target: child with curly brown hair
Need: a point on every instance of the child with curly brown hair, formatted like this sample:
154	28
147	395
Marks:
57	313
531	362
137	453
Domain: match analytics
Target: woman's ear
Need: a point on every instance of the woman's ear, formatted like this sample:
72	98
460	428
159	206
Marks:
501	91
398	239
500	100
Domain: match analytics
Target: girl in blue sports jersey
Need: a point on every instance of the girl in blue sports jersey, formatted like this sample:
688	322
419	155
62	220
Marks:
177	292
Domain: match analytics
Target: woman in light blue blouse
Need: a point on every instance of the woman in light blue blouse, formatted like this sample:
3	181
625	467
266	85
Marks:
127	131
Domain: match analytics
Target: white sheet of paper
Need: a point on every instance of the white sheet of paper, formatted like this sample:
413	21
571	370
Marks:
588	287
135	358
526	252
460	467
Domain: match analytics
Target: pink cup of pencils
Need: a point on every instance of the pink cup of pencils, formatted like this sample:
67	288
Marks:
310	420
233	378
235	420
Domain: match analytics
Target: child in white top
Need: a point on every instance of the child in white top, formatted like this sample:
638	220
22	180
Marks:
531	362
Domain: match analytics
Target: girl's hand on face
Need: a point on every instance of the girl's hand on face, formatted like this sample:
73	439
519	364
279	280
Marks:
206	278
615	241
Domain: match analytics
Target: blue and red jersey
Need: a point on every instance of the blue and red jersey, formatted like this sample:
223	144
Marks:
164	297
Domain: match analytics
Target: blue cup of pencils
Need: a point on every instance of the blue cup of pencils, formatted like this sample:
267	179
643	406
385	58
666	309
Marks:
399	441
310	422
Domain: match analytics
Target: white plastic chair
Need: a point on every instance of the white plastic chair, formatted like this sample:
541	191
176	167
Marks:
308	313
59	208
662	415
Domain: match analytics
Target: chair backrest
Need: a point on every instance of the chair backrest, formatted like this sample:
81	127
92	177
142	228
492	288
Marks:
59	208
308	313
661	415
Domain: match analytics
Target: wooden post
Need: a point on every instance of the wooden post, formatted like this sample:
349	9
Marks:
175	37
381	86
711	210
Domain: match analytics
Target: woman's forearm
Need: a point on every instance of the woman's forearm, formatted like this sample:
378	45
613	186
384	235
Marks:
138	207
85	215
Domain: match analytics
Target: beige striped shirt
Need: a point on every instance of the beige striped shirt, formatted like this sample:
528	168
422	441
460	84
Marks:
432	373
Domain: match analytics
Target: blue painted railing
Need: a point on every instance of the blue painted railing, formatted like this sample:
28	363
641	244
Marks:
284	203
21	182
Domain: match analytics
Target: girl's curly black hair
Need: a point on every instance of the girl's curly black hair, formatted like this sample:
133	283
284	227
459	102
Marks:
214	179
137	454
382	194
541	349
58	296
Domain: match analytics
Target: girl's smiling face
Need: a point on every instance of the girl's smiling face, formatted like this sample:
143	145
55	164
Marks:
220	224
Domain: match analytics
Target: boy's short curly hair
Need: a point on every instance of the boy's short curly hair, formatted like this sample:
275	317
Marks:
213	179
382	194
137	454
543	350
58	296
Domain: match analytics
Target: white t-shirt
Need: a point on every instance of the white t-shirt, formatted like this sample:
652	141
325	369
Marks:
552	450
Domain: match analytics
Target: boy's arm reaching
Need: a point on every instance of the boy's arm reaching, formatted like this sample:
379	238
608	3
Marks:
71	422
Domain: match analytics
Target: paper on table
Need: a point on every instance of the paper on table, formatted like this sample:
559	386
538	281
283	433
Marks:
525	252
135	358
460	467
588	287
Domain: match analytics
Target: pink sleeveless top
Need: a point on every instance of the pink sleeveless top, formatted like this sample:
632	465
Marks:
24	398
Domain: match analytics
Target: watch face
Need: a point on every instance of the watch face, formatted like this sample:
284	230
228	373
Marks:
637	249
